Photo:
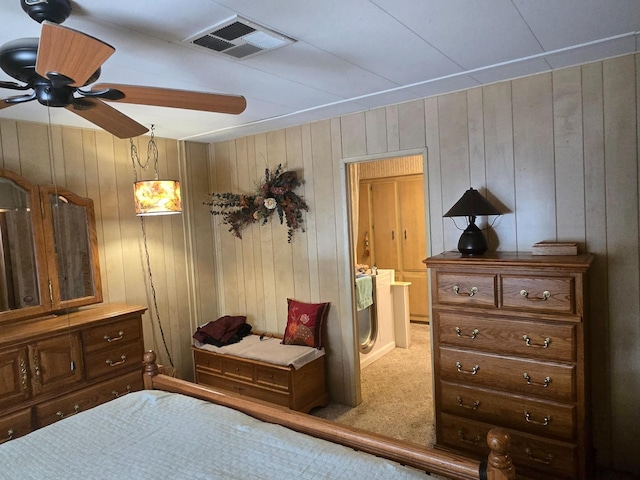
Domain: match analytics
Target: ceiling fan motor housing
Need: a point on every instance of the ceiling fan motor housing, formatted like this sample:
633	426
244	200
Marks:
56	11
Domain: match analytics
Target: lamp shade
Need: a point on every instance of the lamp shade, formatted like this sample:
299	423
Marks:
472	204
157	197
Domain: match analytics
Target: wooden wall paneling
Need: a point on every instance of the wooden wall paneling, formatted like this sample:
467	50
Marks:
435	236
34	153
311	217
239	305
256	166
72	174
10	146
376	130
621	157
299	246
60	157
109	214
225	182
595	204
477	162
534	165
345	353
354	136
569	155
454	160
266	244
327	268
498	131
246	184
393	128
282	251
411	125
198	180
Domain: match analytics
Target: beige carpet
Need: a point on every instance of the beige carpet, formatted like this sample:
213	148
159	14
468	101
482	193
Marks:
396	394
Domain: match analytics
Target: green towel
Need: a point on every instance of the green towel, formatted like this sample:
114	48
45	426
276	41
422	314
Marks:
364	292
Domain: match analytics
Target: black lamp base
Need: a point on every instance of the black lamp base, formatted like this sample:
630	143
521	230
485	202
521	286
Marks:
472	241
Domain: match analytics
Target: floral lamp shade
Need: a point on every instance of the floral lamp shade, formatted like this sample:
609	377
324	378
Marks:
157	197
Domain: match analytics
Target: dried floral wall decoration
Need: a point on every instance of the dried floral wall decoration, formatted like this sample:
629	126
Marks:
274	194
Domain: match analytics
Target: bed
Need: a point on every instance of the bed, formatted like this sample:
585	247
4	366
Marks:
179	430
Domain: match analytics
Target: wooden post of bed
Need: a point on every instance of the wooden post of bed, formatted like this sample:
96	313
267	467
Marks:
497	467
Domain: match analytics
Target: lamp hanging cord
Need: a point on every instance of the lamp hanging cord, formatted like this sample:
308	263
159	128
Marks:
153	291
152	152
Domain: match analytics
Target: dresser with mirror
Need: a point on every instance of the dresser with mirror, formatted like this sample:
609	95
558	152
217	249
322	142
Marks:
61	349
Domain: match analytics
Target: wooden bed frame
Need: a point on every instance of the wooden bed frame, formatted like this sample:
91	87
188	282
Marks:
498	465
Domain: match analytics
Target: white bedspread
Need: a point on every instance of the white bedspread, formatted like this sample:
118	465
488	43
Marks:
269	350
159	435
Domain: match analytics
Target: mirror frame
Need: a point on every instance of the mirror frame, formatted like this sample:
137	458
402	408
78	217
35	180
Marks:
92	238
39	252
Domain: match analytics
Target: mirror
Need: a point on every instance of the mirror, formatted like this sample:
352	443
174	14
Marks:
22	267
72	250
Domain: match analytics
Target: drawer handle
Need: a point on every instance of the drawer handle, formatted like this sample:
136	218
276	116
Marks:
472	291
111	363
117	394
545	421
473	371
475	405
9	437
114	339
61	414
545	295
36	368
545	344
475	441
545	461
473	335
546	382
238	388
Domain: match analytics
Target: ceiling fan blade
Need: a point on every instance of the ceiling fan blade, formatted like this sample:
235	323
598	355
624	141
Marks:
4	103
68	52
108	118
185	99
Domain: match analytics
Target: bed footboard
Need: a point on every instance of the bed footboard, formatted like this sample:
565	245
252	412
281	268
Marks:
497	467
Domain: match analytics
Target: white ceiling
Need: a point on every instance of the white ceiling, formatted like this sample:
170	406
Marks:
349	55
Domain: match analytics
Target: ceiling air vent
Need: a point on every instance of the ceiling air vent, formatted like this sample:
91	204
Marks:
239	38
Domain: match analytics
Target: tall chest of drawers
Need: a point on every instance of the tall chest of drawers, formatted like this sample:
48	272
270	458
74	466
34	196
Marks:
510	336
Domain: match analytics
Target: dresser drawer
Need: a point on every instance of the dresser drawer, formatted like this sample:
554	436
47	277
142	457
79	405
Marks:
541	294
549	381
208	360
537	340
106	336
68	405
237	369
272	377
15	425
242	388
534	456
119	358
466	289
525	414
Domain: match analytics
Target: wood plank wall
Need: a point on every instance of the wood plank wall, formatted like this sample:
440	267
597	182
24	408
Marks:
97	165
558	152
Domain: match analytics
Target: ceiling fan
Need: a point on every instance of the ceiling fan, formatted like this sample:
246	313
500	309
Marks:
56	67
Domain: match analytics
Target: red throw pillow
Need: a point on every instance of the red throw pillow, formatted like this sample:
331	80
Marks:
304	323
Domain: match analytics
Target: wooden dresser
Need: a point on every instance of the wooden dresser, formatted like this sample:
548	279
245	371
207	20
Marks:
510	349
55	366
298	389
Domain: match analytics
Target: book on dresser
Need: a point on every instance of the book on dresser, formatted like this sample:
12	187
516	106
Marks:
509	342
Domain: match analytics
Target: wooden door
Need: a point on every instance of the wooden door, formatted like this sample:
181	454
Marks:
14	377
385	224
55	363
412	221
